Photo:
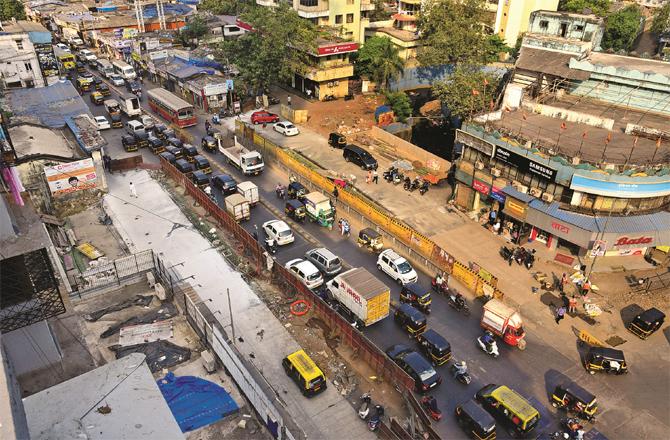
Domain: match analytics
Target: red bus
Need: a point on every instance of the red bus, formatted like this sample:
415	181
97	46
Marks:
172	108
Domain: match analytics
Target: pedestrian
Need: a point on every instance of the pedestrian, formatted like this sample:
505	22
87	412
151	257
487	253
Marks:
375	177
564	282
586	287
492	217
255	233
288	100
133	191
107	163
368	178
560	314
336	193
308	92
572	305
496	228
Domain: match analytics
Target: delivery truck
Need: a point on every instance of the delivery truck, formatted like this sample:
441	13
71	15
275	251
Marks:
238	207
249	191
319	209
505	322
248	161
130	105
361	295
112	106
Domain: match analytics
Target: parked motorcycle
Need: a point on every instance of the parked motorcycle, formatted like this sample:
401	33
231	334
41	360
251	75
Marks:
376	419
424	188
271	246
506	253
574	428
416	183
429	404
460	372
529	260
329	98
397	178
457	302
408	183
488	344
364	409
390	174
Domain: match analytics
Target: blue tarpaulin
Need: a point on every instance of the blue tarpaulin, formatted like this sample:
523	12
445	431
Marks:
195	402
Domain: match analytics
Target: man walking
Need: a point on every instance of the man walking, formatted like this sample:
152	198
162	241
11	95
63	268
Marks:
375	177
560	314
133	191
336	193
572	305
288	100
368	177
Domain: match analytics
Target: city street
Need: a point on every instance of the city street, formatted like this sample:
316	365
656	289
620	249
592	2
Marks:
630	405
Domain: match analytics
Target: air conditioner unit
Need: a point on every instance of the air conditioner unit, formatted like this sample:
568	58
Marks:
208	361
535	192
522	189
496	172
516	183
479	165
548	197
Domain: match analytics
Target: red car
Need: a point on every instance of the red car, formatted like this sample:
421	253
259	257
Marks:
264	118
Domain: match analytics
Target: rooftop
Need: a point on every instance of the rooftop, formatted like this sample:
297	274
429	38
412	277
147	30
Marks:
643	65
29	233
119	401
48	106
33	140
400	34
549	62
591	17
12	27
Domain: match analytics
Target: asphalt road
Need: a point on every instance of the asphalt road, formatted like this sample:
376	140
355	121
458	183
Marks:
532	372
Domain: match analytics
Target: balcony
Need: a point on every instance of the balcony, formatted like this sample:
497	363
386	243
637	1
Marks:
270	3
313	8
367	5
331	73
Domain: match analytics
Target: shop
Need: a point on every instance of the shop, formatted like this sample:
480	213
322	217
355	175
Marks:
514	215
554	227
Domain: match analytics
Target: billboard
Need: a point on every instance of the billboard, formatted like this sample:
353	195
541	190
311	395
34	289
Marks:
523	163
67	178
629	190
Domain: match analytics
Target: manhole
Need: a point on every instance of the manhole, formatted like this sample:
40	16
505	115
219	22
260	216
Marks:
615	340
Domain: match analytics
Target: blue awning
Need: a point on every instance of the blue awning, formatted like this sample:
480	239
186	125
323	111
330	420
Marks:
510	191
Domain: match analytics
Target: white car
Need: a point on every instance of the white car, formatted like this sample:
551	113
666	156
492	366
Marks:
306	271
286	128
278	231
88	55
116	79
63	47
396	267
102	122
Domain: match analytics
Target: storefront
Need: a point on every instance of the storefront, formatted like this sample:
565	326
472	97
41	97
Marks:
554	227
515	213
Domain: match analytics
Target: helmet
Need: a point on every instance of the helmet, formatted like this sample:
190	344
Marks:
463	364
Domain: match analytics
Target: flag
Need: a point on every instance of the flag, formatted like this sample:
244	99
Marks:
523	115
486	82
563	126
609	138
658	143
584	135
475	92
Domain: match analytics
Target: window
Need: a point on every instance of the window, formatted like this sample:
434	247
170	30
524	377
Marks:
19	44
544	24
309	2
350	2
350	18
28	66
579	27
338	19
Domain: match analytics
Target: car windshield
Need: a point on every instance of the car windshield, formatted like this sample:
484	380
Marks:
313	277
251	161
404	267
427	374
289	126
286	233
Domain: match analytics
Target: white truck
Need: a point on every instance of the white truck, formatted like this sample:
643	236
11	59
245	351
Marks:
238	207
112	106
130	105
359	296
248	161
249	191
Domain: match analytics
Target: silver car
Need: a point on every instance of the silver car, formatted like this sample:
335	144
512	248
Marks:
326	261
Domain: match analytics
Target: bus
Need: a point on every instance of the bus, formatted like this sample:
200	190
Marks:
105	67
171	107
124	70
66	61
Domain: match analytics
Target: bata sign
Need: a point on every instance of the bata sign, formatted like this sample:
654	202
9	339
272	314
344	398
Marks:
338	48
625	241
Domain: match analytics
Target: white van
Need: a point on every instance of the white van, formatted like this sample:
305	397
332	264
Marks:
134	126
105	67
124	70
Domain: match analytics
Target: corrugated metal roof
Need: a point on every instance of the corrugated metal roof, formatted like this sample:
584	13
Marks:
50	105
366	284
659	221
510	191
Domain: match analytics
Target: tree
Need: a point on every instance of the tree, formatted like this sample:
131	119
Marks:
195	29
468	91
379	60
278	47
621	28
224	7
451	32
11	9
399	102
495	46
661	21
380	13
597	7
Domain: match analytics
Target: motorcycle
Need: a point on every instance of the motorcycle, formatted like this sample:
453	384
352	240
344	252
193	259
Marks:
416	183
271	246
424	188
364	410
457	302
574	428
216	120
439	288
280	191
460	373
376	419
397	178
390	174
490	349
329	98
506	253
520	255
408	183
429	404
530	259
345	227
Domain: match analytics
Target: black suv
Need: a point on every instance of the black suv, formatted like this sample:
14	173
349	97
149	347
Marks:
225	183
424	375
357	155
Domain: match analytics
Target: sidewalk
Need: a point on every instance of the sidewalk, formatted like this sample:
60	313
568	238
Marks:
154	221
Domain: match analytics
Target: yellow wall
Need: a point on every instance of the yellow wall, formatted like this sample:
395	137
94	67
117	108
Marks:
330	74
513	15
328	88
342	7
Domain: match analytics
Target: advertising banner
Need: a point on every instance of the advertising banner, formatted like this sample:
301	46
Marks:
524	164
70	177
634	190
481	187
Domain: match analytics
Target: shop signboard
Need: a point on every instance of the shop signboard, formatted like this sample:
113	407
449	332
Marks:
215	89
481	187
475	142
634	241
559	228
523	163
497	194
66	178
515	208
610	188
337	48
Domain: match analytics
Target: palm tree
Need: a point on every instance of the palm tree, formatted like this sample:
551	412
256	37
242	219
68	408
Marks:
388	65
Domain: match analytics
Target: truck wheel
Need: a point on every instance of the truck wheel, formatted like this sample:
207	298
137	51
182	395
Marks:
399	281
379	266
522	344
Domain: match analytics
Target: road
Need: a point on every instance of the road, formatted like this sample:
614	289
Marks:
533	372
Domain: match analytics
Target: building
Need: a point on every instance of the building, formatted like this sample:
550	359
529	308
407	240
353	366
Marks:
511	16
402	32
547	199
26	55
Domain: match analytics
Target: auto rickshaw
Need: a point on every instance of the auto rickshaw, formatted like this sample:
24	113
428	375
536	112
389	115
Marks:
410	319
116	120
83	85
156	145
201	163
416	295
81	67
575	399
475	421
190	152
175	142
97	98
129	143
174	151
605	359
337	140
185	167
295	210
200	179
168	156
209	143
646	323
166	134
296	190
104	89
435	347
371	240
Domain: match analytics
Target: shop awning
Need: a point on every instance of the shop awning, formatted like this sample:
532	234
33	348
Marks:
512	192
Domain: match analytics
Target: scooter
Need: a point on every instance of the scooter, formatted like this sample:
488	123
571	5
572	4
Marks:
408	183
271	245
364	410
429	403
329	98
441	288
376	419
397	178
461	374
457	302
424	188
280	191
530	259
491	350
390	174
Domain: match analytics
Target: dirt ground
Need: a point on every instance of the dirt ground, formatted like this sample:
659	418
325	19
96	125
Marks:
88	228
345	117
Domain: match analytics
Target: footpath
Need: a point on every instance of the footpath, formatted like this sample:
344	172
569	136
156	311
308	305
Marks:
154	221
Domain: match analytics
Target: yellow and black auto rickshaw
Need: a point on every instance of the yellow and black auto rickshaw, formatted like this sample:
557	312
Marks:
575	399
605	359
200	179
435	347
185	167
410	319
296	190
190	152
475	421
83	85
416	295
97	98
371	240
201	163
295	210
646	323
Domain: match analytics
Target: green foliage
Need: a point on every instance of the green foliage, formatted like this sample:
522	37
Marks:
451	32
224	7
661	19
380	13
621	28
597	7
378	59
268	54
11	9
466	92
496	46
399	102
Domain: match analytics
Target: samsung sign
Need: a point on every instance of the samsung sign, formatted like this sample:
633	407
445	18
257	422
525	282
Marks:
629	190
524	164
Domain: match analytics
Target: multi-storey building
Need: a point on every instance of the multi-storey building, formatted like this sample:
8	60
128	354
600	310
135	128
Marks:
511	19
23	44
